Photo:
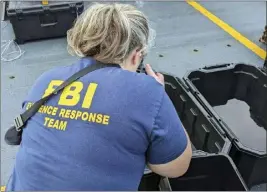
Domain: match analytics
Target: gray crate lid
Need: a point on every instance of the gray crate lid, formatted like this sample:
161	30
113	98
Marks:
34	4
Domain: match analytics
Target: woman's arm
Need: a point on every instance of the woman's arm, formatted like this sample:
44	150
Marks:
170	151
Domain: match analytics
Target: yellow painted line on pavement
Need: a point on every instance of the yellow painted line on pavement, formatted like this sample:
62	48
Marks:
230	30
3	188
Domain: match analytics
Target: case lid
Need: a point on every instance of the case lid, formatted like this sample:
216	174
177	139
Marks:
235	95
30	7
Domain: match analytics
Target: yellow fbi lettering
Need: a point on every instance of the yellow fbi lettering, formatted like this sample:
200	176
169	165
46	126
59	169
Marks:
49	110
56	124
85	116
71	94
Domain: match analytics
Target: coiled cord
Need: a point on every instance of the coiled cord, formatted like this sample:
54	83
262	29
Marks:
6	46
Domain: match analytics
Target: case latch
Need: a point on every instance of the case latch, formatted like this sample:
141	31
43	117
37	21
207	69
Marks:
47	19
73	8
19	14
46	9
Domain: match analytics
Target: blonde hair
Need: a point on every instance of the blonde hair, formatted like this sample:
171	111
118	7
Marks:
109	32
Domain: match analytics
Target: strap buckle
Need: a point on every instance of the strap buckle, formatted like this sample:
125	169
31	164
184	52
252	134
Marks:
18	122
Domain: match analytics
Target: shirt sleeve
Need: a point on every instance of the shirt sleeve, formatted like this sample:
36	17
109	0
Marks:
168	139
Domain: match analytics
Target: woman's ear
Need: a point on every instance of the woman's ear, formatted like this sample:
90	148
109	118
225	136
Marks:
136	57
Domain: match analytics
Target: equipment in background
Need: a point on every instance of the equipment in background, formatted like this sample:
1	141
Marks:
34	20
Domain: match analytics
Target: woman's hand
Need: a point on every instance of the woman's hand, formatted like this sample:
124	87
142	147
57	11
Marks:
158	76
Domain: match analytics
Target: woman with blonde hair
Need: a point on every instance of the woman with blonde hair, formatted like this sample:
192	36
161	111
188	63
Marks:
101	131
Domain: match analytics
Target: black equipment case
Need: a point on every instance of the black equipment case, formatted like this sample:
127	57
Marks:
195	94
150	181
207	172
33	21
204	132
215	86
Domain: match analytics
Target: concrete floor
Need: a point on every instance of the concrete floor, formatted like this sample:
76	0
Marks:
180	29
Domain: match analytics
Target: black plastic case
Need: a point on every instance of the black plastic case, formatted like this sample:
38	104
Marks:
42	21
207	172
204	132
215	86
150	181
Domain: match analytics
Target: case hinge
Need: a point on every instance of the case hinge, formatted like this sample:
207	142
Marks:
46	9
73	8
19	14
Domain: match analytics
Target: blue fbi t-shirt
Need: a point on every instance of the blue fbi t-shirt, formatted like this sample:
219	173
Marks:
98	133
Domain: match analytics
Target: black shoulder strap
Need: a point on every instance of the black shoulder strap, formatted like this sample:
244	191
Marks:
21	120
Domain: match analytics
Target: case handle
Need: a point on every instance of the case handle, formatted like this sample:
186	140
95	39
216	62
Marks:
216	66
198	153
48	24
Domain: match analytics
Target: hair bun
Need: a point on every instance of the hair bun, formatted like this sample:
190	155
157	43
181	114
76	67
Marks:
108	32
